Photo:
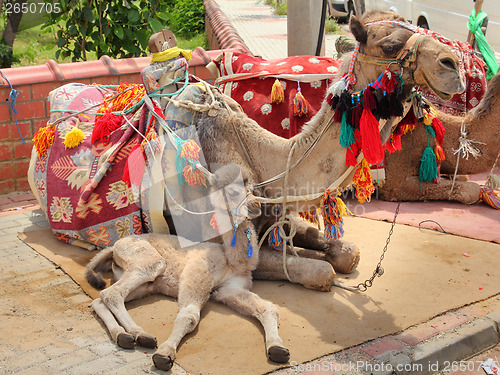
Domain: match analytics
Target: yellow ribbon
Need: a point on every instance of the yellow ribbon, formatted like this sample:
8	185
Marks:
170	54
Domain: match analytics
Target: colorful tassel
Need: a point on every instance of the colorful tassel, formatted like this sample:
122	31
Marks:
233	240
73	138
490	197
439	152
300	105
332	210
43	139
277	92
428	166
190	149
193	176
250	247
363	182
275	239
104	126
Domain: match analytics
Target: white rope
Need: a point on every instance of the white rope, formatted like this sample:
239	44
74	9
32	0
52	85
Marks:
465	149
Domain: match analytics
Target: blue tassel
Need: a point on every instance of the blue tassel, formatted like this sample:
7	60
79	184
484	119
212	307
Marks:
250	247
233	241
346	132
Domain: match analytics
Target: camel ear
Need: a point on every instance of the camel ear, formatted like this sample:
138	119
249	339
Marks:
358	29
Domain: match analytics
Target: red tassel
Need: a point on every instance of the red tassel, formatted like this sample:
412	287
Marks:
388	81
337	116
439	129
300	105
329	99
104	126
370	137
134	167
393	144
353	151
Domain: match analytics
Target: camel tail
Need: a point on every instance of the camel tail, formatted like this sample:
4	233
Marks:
97	266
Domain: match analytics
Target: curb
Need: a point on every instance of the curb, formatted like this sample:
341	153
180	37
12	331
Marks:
446	342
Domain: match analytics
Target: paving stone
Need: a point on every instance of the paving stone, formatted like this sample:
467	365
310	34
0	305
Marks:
382	346
495	317
418	334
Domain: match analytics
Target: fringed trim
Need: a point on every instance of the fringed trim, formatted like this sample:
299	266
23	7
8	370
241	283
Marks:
310	216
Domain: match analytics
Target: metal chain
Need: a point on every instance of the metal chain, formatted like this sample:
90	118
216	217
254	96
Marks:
379	271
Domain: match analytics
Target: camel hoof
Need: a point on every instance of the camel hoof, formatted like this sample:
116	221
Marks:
343	256
146	340
278	354
125	340
163	362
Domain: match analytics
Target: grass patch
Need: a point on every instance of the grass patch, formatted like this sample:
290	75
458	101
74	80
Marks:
35	46
332	27
280	7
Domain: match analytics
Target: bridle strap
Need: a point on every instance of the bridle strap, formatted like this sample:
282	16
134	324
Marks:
409	52
405	57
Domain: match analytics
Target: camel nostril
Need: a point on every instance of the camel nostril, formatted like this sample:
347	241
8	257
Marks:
448	63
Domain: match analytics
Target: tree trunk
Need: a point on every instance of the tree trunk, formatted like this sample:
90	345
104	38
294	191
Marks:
13	21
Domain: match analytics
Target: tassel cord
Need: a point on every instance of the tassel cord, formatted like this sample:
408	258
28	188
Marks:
13	94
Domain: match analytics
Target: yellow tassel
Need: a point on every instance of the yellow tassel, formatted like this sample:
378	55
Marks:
43	139
277	92
73	138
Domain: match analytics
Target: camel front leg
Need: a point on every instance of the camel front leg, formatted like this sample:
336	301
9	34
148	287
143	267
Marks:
194	291
312	273
342	255
236	295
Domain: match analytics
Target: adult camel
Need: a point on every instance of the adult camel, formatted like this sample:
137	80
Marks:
480	125
232	137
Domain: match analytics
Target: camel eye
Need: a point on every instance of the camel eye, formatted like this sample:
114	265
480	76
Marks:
392	48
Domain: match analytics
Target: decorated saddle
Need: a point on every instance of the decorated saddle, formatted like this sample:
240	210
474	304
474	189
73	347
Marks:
92	165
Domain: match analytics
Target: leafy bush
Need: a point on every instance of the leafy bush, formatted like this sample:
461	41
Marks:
186	18
7	57
120	28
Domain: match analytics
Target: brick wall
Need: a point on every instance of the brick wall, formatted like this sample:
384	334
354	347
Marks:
35	82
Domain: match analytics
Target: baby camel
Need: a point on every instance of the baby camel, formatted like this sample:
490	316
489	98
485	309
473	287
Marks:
155	263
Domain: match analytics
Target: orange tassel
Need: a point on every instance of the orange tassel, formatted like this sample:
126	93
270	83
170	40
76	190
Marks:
363	181
43	139
277	92
439	152
300	104
213	223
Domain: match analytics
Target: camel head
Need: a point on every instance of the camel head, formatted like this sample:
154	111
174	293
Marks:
387	40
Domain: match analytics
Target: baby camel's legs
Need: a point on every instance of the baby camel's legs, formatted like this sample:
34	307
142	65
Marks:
116	331
236	295
134	283
195	286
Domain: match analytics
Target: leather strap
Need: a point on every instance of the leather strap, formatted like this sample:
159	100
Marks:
405	57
